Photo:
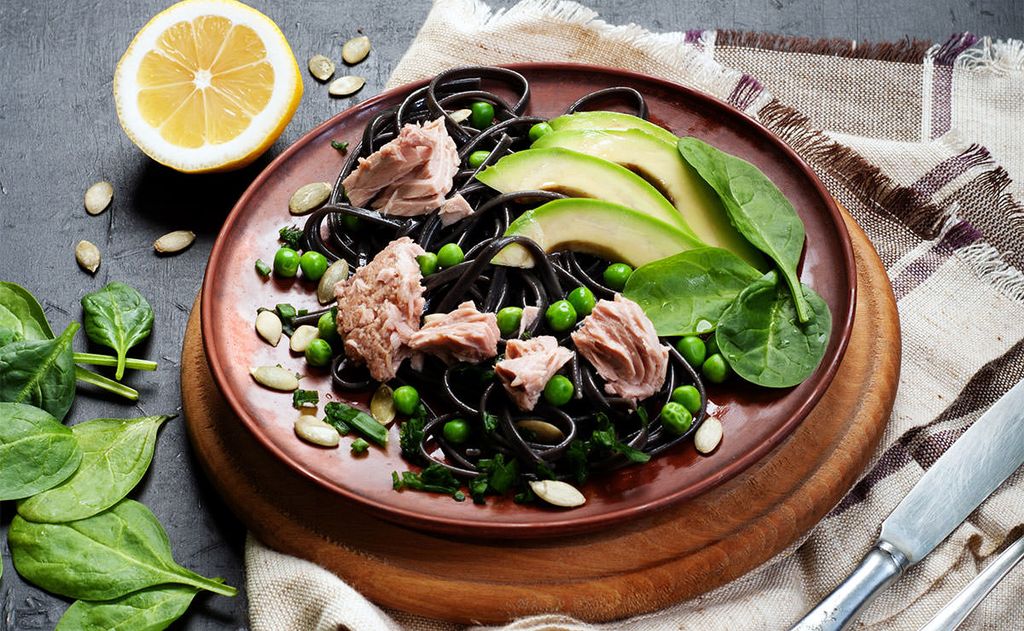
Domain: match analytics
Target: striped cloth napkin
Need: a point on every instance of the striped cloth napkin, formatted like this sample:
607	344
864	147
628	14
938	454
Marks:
920	143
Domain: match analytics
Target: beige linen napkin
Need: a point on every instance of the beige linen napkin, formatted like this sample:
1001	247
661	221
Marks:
920	143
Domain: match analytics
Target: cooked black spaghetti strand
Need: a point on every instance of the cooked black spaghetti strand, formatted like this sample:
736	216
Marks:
608	94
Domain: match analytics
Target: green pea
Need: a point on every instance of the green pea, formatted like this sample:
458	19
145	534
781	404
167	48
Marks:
715	369
561	315
477	158
313	265
327	326
540	129
428	263
676	418
509	320
616	275
713	345
456	431
406	399
582	300
286	263
359	446
319	352
481	114
558	390
692	349
688	397
449	255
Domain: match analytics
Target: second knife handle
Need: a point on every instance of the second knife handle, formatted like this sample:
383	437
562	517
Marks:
879	568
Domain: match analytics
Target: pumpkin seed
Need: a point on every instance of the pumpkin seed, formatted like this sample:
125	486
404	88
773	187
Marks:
382	405
309	198
708	435
269	326
174	242
541	431
321	67
356	49
558	493
336	272
346	86
303	337
313	430
275	378
98	196
460	115
88	256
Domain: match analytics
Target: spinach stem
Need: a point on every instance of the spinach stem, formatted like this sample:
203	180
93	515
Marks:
95	359
213	585
89	377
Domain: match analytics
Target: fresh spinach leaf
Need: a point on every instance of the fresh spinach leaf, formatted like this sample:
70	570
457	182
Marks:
36	451
756	207
687	293
106	556
151	609
21	316
118	317
40	373
115	455
764	341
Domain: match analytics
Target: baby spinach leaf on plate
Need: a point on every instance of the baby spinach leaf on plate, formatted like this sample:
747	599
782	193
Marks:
151	609
764	341
118	317
40	373
756	207
36	451
21	316
106	556
115	455
685	294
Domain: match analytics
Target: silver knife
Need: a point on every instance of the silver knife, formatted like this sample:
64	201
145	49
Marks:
945	495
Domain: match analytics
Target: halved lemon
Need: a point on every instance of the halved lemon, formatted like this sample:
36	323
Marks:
207	85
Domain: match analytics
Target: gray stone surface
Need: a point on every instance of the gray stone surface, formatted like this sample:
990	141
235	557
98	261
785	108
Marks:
59	133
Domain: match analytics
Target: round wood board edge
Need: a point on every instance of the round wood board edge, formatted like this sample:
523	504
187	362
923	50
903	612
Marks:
639	567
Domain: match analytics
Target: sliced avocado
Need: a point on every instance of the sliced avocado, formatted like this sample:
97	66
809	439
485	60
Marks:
608	230
660	163
579	175
610	120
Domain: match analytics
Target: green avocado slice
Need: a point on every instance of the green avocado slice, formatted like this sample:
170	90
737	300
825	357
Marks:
660	163
608	230
579	175
610	120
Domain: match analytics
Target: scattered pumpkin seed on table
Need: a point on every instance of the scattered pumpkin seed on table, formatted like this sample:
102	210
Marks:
174	242
558	493
309	197
88	256
98	196
313	430
321	67
356	49
275	378
269	326
302	338
346	85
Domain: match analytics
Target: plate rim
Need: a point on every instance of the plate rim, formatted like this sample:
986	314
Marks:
568	525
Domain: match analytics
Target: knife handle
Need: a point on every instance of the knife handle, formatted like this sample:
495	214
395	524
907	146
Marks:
877	570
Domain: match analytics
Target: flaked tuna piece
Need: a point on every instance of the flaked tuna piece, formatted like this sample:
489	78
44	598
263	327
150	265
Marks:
380	306
408	176
529	315
619	340
528	366
464	335
455	208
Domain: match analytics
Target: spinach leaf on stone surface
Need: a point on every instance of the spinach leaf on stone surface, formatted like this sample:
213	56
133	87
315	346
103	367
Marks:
40	373
118	317
115	455
21	316
36	451
756	207
106	556
764	341
687	293
150	609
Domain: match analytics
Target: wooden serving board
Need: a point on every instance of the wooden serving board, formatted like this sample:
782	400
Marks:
641	566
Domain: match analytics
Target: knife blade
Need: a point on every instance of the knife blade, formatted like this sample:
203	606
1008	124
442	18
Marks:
988	452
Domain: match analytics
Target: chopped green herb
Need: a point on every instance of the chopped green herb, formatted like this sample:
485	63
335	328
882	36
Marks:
262	268
338	424
490	422
358	420
339	145
359	446
496	476
433	479
604	435
410	433
291	236
305	398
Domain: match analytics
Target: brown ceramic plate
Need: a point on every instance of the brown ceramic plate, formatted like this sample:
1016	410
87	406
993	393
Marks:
755	419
